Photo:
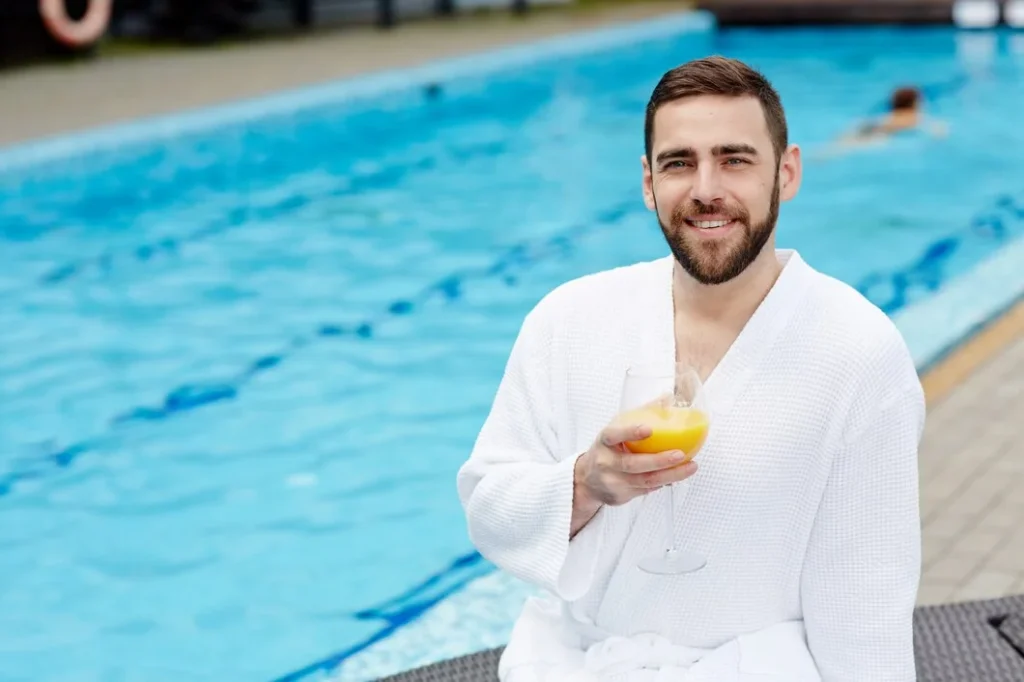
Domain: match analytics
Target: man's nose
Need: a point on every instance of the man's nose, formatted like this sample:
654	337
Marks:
707	185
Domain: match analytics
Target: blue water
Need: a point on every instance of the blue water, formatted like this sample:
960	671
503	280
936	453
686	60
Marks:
240	369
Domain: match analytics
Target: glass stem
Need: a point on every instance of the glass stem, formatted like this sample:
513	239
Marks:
670	490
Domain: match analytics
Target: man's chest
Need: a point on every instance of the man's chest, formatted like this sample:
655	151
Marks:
703	348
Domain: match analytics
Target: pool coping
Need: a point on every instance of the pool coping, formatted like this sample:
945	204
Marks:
979	348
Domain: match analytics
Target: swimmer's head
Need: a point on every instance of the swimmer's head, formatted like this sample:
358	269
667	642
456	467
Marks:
906	99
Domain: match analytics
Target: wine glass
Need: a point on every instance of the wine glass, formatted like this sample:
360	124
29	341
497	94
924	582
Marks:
671	401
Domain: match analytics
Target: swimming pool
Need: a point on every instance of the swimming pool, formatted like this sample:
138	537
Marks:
245	351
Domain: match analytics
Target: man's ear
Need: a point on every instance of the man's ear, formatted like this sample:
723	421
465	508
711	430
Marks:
790	173
648	183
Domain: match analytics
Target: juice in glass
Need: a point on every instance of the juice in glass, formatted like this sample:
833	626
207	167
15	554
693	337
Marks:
672	428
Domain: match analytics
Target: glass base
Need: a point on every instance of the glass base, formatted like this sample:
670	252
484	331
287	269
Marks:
672	562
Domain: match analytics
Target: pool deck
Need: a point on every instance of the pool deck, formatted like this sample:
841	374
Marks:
972	459
972	468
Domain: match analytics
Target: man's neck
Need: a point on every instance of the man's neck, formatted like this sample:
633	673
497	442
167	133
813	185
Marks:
731	303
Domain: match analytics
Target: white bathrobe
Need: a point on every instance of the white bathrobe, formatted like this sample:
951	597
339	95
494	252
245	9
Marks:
805	502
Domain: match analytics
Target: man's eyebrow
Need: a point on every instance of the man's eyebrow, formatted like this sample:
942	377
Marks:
733	149
730	149
677	153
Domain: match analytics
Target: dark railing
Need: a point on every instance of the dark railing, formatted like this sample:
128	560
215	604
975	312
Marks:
302	13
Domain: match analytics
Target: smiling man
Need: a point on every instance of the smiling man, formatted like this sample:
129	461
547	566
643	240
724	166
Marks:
804	498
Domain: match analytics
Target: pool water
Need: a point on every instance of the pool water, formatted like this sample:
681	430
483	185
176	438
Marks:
241	366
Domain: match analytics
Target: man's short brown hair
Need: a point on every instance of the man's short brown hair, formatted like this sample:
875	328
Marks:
719	76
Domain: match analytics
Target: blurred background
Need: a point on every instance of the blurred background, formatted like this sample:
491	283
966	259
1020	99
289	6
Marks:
262	262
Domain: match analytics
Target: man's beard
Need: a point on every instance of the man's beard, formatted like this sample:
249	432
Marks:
714	262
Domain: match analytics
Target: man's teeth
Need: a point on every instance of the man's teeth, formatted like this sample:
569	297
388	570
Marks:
708	224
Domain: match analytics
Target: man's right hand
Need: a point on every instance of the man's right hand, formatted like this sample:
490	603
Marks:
610	474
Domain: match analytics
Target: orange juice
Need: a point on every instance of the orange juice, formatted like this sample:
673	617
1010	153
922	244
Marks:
672	428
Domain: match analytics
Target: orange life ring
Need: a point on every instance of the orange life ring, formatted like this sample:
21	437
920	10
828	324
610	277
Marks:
85	31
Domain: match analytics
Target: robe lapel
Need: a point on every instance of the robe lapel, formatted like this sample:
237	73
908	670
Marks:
752	347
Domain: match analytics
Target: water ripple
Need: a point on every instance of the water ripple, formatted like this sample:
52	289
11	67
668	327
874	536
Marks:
139	568
175	504
362	180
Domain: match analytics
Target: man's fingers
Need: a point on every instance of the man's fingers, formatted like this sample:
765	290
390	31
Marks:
642	463
657	479
613	436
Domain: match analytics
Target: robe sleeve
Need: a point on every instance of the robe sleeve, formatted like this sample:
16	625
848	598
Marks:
863	565
517	486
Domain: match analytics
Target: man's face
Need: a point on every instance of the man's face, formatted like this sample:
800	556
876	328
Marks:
715	183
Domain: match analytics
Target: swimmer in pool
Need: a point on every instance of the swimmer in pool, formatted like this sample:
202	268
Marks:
905	114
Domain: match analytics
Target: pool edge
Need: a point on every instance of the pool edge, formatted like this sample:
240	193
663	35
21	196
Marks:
960	362
982	311
475	63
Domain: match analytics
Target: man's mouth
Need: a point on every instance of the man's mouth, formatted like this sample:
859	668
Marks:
710	222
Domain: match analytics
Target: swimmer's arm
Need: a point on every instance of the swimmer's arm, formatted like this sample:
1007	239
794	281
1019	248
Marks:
938	128
840	146
933	126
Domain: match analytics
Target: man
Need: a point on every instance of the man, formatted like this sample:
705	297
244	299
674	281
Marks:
804	498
